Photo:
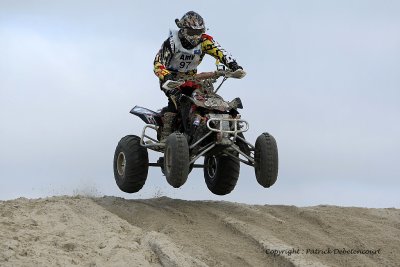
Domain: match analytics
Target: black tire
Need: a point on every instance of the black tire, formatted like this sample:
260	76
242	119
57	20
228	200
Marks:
266	160
161	161
176	159
221	173
131	164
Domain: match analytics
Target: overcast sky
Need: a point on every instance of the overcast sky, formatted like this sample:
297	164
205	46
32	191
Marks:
323	78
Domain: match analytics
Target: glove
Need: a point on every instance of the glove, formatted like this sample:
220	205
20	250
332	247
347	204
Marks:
234	66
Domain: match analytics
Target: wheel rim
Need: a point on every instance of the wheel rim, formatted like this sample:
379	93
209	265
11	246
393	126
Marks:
212	167
121	163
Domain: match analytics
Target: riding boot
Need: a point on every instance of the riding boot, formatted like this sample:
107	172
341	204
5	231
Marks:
167	128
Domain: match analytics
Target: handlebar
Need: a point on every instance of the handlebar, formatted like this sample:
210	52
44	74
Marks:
237	74
204	76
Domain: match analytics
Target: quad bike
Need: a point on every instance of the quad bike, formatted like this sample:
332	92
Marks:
206	126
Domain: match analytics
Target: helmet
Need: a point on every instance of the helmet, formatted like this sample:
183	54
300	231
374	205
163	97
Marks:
191	27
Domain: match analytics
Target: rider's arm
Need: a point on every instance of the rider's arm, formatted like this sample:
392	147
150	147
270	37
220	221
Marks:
213	48
162	59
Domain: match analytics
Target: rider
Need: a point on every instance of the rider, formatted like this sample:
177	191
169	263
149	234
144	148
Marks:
181	53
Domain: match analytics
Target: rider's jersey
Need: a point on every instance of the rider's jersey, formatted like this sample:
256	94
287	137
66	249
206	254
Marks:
174	58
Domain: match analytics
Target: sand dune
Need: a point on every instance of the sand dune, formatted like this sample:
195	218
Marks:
110	231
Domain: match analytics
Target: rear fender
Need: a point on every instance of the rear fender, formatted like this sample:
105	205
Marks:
147	115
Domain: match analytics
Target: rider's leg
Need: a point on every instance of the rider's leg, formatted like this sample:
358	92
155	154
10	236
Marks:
168	120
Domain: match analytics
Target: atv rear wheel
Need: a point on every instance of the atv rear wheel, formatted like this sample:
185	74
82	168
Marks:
176	159
266	160
221	173
131	164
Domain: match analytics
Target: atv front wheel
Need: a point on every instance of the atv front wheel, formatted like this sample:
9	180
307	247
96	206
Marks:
176	159
131	164
266	160
221	173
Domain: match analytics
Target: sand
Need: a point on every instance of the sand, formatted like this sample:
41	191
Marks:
110	231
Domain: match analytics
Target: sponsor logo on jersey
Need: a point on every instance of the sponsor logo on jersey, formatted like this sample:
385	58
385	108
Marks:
186	57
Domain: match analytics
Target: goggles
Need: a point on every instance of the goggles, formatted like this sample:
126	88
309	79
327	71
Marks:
193	32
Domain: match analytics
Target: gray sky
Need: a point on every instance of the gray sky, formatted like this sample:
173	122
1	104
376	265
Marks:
323	78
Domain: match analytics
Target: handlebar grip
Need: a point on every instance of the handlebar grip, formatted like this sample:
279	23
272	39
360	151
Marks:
237	74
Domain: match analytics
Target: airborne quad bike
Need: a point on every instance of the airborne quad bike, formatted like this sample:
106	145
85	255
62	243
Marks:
206	126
